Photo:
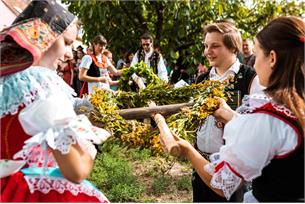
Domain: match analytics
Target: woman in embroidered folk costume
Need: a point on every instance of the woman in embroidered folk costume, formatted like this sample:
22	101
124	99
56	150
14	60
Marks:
94	68
46	149
265	144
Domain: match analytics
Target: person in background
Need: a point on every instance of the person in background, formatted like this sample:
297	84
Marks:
46	149
222	43
80	48
67	71
184	75
150	57
108	55
89	50
249	57
93	69
76	82
121	62
201	69
264	138
128	58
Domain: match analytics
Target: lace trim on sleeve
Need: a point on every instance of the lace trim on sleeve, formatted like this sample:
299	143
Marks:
36	156
224	178
79	130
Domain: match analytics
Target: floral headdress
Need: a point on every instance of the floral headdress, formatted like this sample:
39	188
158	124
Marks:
31	34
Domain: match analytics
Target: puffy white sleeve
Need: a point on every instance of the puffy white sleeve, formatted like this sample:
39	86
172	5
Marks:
52	122
162	71
251	142
86	62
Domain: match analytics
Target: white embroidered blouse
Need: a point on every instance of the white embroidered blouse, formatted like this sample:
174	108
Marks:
252	140
50	119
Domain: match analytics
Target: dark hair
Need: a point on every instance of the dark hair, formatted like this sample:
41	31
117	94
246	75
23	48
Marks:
147	36
286	83
99	39
127	56
231	36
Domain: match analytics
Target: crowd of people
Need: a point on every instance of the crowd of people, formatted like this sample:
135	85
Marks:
47	150
71	72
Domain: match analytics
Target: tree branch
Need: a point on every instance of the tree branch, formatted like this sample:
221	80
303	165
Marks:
160	16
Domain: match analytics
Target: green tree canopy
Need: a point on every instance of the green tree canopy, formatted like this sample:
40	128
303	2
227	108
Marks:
176	25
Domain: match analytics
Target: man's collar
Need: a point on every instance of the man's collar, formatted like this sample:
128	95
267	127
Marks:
233	68
149	53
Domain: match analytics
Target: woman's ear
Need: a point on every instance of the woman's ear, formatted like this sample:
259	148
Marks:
272	58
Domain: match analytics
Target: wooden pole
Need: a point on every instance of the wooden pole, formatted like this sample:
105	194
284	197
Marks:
166	138
146	112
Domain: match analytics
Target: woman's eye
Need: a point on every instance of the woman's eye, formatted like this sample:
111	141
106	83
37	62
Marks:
68	42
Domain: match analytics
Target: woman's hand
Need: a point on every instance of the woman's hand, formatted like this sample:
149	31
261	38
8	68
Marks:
184	145
224	113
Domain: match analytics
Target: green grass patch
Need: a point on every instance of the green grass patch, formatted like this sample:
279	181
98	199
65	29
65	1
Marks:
140	154
184	183
160	184
135	175
113	174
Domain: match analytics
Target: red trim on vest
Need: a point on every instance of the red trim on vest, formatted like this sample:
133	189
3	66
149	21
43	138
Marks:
221	164
270	110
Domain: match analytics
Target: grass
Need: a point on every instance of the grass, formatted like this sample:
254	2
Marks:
160	184
184	183
135	175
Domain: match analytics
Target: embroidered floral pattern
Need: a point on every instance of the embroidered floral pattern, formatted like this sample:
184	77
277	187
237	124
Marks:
250	102
37	33
35	156
61	138
37	84
45	183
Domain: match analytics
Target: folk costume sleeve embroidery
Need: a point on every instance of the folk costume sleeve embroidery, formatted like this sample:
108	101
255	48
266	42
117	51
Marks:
42	112
253	141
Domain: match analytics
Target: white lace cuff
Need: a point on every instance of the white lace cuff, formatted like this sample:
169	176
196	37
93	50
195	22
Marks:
78	130
224	178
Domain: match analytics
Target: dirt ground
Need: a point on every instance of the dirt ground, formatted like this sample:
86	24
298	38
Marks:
147	172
